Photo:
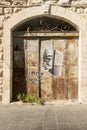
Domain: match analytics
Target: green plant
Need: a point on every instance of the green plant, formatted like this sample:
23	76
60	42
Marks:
38	100
21	97
29	98
32	98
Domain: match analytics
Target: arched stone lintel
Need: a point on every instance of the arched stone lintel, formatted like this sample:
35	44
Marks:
16	20
59	12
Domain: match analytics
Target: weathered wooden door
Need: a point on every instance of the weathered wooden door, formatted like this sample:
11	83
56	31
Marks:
59	65
72	68
25	66
47	67
53	83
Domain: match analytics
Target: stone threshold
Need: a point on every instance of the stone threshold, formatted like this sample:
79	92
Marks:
54	103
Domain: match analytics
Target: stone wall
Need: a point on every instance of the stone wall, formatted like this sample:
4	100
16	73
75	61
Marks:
9	7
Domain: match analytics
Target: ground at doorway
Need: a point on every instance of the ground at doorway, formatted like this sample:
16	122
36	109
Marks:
47	117
54	102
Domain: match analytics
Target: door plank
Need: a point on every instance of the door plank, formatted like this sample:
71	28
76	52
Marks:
72	65
46	53
19	83
59	69
31	66
72	89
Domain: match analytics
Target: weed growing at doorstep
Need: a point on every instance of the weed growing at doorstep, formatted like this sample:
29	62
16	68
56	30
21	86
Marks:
29	98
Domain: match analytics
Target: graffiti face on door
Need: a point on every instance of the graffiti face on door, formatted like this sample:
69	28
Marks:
52	59
47	59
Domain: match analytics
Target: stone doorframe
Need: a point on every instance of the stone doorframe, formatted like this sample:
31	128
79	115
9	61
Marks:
28	13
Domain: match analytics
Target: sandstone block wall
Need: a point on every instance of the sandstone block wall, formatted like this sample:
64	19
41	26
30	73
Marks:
9	7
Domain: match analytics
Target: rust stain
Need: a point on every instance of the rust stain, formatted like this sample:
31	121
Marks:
73	89
46	86
58	88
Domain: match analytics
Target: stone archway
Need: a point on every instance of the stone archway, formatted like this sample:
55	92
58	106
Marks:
23	16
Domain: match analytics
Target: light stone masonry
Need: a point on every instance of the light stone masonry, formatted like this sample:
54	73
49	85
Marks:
1	72
1	89
1	11
1	25
8	10
1	80
1	48
1	56
13	12
84	65
83	82
2	18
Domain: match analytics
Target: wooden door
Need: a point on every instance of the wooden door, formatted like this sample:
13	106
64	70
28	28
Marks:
53	82
25	66
59	68
46	67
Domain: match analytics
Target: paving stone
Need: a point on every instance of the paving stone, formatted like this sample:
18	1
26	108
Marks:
4	122
63	126
37	126
51	129
50	124
74	128
19	127
26	117
49	113
33	116
61	119
81	119
3	128
73	125
18	120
